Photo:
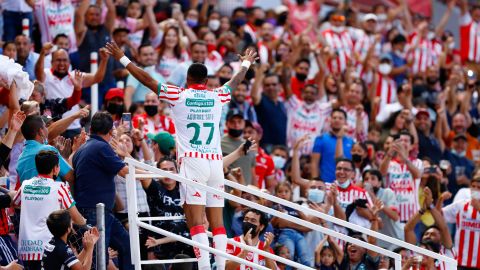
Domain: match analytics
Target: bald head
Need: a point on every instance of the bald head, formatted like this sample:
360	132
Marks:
60	61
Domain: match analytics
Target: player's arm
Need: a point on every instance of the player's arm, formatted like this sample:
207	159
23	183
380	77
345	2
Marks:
139	74
247	59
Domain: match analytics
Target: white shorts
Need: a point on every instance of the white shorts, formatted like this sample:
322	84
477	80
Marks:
204	171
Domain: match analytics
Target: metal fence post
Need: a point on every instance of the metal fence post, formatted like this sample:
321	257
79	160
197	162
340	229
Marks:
101	250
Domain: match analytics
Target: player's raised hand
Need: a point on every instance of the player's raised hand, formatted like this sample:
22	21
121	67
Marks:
114	50
250	55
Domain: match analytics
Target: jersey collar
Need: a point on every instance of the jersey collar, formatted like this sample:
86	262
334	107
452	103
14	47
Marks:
198	86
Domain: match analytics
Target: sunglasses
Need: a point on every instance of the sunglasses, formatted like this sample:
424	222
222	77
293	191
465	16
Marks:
338	18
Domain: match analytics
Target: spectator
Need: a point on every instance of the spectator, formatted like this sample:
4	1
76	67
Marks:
328	256
428	144
14	12
36	136
265	168
38	197
373	182
305	114
383	84
399	61
304	15
459	126
198	51
458	213
171	52
291	234
402	175
359	256
254	224
58	254
239	101
114	104
324	147
357	118
232	140
153	120
135	92
339	42
164	200
360	160
267	103
96	165
461	167
163	145
470	17
91	36
25	56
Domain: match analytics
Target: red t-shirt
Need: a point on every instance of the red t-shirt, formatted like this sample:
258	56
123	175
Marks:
166	124
297	86
264	167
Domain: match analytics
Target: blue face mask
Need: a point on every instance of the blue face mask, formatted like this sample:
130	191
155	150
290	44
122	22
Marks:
192	23
316	195
343	185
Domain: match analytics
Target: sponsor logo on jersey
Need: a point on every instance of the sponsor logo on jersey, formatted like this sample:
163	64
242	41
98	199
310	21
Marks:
38	190
194	102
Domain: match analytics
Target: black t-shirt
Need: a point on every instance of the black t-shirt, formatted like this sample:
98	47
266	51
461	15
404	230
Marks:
58	255
167	203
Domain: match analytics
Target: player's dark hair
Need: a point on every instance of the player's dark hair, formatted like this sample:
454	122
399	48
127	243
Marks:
197	73
102	123
45	161
31	126
58	222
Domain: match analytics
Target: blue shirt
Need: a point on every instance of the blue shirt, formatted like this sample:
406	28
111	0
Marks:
26	168
273	119
399	61
140	89
325	146
29	66
96	165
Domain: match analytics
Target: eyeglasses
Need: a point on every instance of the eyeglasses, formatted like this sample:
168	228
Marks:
343	169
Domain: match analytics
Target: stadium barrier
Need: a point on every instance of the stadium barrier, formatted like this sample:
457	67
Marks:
135	222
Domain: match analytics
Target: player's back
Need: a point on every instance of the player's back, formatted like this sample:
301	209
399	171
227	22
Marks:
196	113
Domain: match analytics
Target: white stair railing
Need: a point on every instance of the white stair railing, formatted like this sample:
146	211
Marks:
155	172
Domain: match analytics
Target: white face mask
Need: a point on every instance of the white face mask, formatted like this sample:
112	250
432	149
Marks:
338	29
431	35
475	194
451	46
214	25
316	195
460	154
279	162
384	68
343	185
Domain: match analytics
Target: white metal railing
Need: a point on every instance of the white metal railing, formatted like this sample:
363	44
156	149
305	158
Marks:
155	172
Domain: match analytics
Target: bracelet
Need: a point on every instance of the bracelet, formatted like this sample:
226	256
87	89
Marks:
125	61
246	64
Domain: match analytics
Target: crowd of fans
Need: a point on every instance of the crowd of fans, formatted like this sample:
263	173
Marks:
371	116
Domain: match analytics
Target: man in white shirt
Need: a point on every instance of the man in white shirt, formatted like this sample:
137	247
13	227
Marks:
38	197
198	51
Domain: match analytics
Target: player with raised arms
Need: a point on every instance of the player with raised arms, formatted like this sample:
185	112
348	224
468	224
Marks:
196	112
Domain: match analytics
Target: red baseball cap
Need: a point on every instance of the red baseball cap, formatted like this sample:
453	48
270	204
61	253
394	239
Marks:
114	92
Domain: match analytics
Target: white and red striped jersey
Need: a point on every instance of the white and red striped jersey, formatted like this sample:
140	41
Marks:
352	124
196	113
165	123
348	195
386	89
56	17
38	197
467	236
341	43
449	252
251	256
304	119
469	39
361	46
423	52
400	180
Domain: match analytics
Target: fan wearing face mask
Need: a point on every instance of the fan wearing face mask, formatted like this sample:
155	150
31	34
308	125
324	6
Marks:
254	224
303	13
339	40
233	139
154	119
372	183
384	85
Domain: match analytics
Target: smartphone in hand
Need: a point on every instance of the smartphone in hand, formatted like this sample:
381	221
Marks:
127	118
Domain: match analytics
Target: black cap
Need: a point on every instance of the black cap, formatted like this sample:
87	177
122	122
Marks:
234	112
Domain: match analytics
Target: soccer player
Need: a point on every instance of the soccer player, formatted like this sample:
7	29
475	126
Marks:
196	113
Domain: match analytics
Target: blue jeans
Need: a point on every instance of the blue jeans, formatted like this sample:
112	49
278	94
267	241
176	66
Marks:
12	24
116	236
296	244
